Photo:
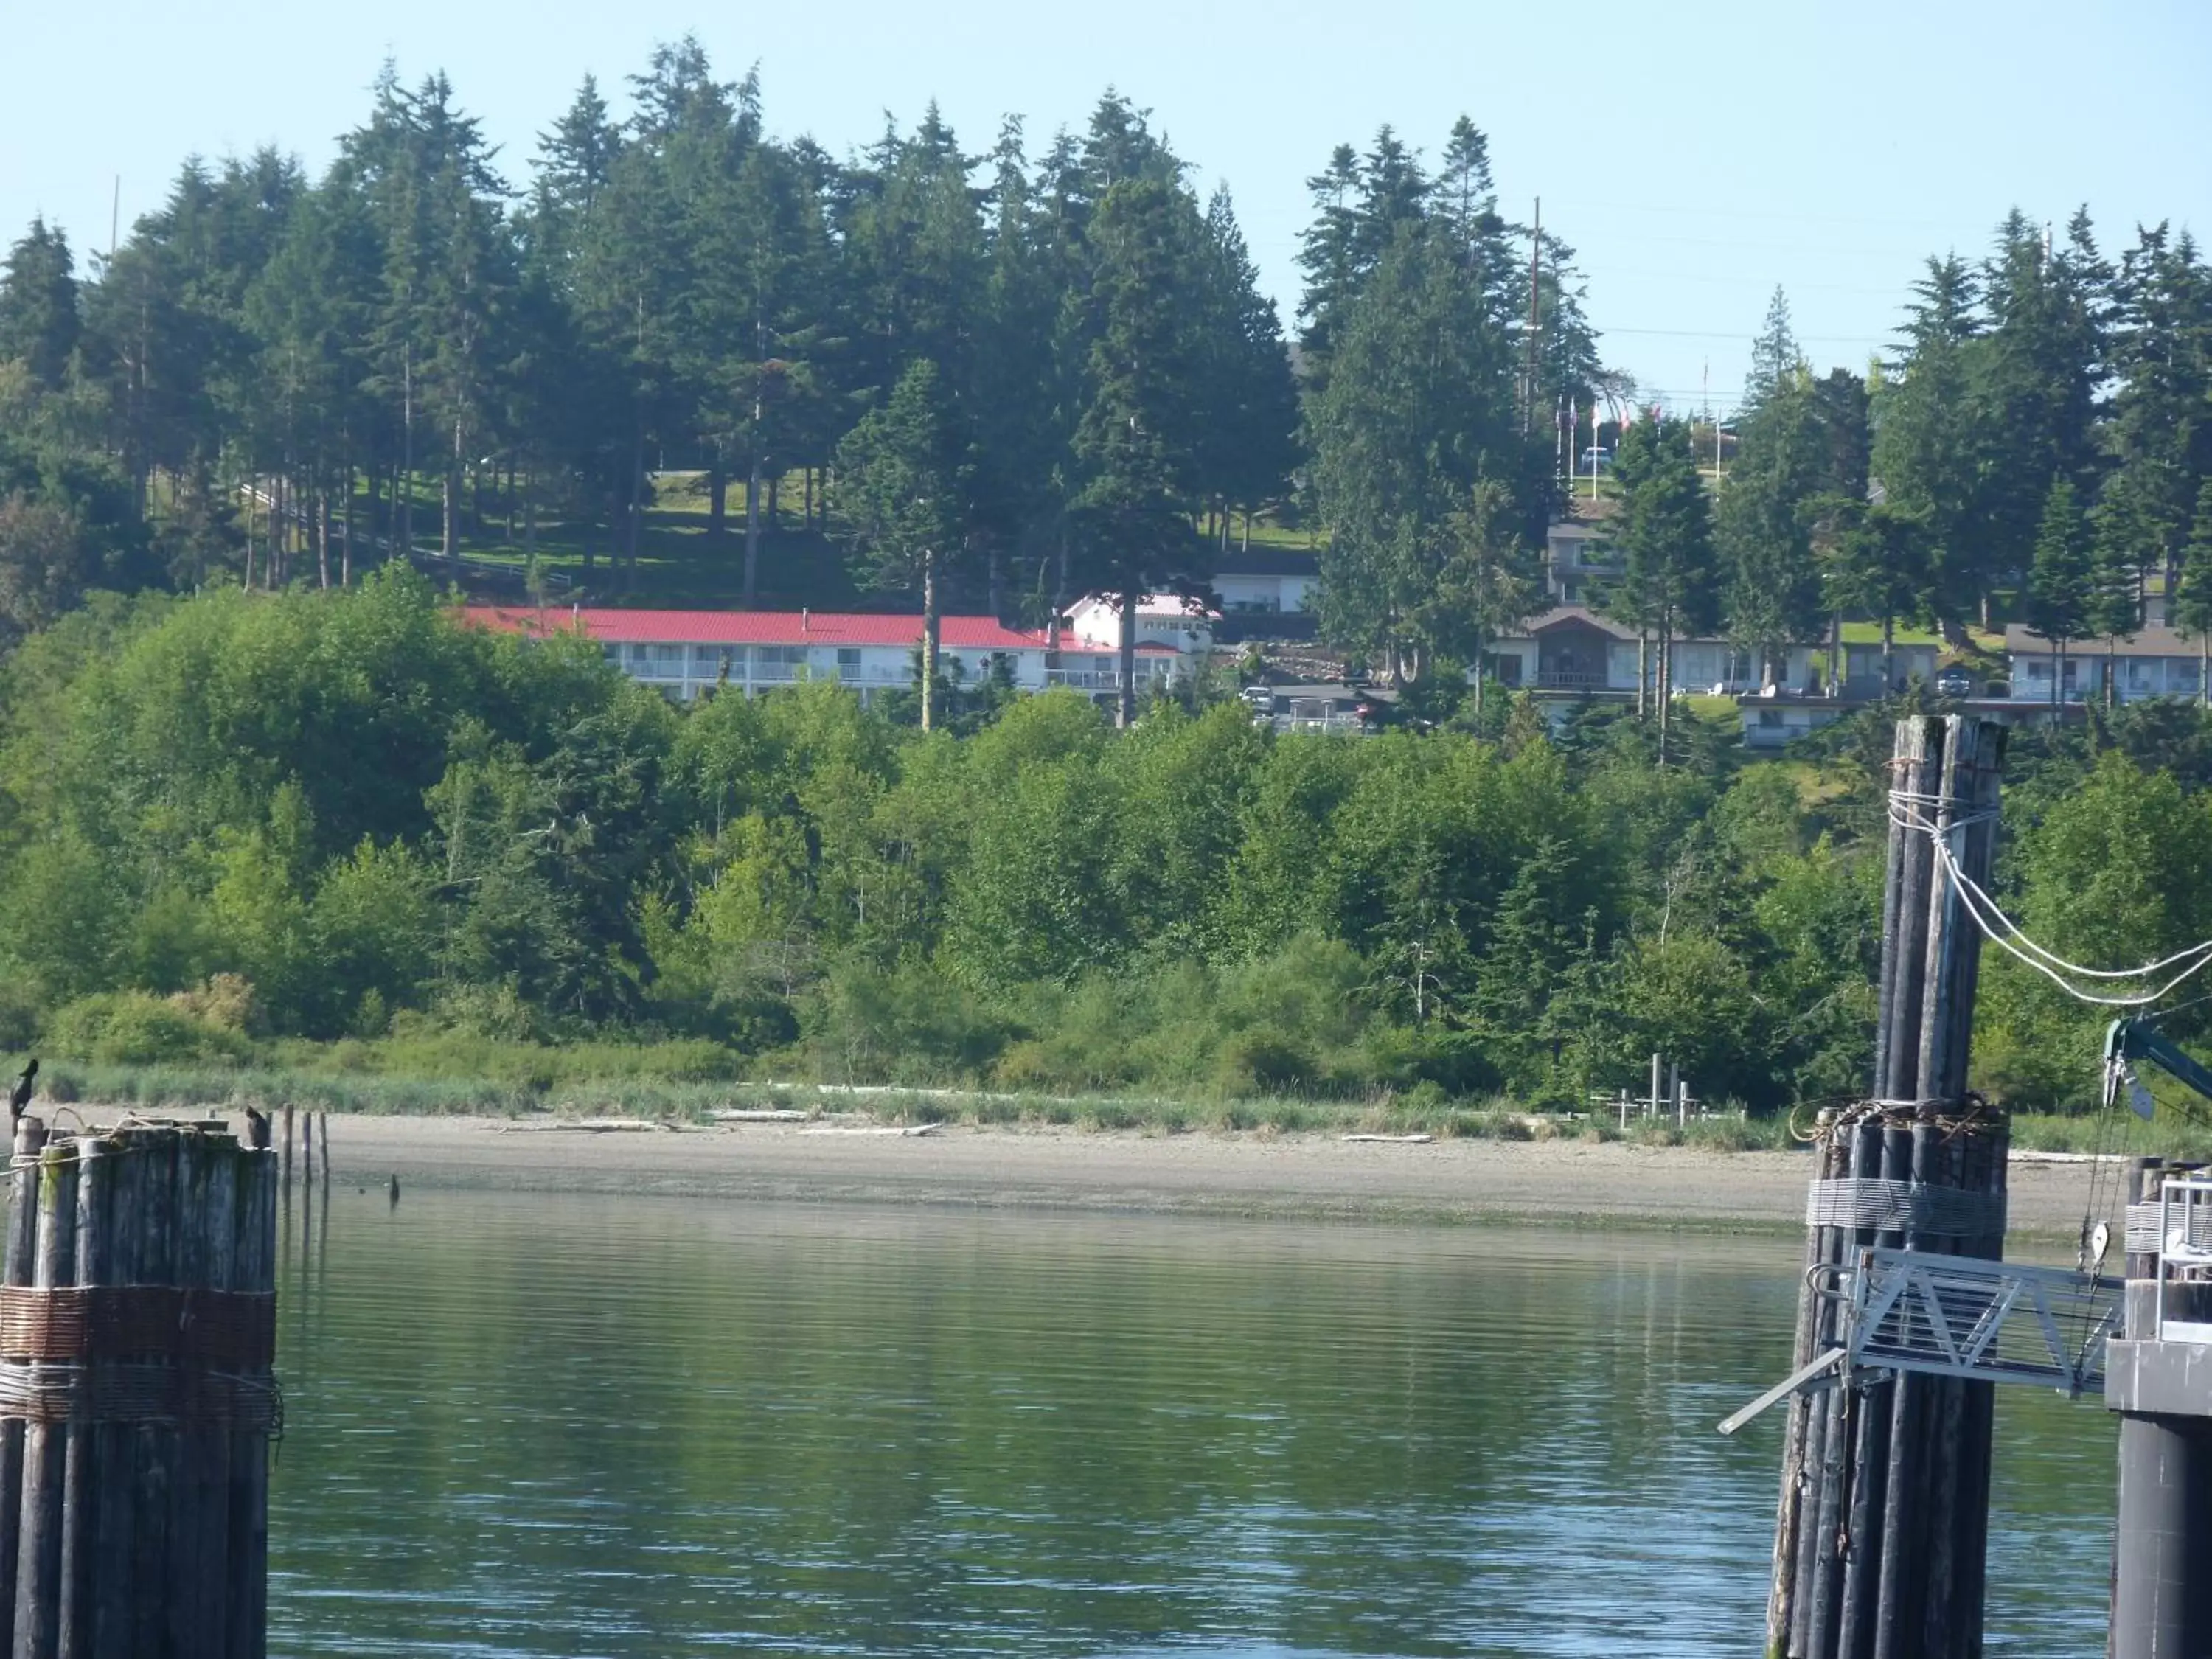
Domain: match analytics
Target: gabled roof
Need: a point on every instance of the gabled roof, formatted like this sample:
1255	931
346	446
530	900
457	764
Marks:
2147	641
1564	616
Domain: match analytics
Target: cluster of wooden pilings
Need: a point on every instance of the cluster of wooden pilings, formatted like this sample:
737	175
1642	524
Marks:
137	1398
1881	1538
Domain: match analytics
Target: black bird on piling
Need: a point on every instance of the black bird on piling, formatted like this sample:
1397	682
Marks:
21	1096
395	1191
257	1128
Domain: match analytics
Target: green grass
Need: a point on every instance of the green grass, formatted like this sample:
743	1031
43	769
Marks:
1870	633
514	1091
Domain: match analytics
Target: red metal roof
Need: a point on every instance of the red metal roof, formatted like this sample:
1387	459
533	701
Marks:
613	626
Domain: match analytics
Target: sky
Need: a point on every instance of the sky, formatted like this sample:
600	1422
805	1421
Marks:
1696	157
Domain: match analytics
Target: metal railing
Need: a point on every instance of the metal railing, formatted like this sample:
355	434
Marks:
1992	1321
2184	1250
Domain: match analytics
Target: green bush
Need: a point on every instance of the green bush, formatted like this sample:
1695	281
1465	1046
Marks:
130	1028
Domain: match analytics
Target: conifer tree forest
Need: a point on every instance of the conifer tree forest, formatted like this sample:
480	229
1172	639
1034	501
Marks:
262	791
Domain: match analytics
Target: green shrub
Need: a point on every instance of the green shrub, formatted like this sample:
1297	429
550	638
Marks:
131	1028
1262	1062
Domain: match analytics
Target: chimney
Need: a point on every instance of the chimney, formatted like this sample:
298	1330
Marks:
804	625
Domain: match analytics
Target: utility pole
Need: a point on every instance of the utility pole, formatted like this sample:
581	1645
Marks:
1535	266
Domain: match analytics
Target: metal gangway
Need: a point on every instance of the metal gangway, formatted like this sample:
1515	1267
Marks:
1955	1315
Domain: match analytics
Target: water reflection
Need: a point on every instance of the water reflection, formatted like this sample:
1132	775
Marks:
557	1425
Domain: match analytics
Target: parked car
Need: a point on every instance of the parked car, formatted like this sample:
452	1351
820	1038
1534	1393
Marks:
1954	683
1595	459
1261	699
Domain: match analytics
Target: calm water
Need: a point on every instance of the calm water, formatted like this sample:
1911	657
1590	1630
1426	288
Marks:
551	1425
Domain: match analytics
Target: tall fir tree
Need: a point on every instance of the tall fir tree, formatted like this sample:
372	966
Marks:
39	325
2061	579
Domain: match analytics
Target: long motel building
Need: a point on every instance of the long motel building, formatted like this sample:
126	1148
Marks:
687	653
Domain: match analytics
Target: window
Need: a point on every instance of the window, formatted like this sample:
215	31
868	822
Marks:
1772	720
848	662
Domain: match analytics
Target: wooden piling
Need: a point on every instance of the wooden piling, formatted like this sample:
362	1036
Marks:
134	1379
288	1145
1881	1534
21	1252
45	1444
323	1135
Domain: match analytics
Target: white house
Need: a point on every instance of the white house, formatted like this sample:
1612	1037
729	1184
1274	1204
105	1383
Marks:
1266	581
1163	619
2156	662
685	653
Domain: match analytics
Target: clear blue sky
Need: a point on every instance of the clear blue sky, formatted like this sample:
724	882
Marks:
1695	155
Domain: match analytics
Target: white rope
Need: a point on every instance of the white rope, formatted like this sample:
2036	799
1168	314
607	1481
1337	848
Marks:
2002	930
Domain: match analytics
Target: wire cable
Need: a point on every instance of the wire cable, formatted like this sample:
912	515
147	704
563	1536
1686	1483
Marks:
1990	917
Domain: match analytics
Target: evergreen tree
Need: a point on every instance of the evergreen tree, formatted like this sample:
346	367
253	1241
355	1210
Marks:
2192	594
1772	584
1137	444
2159	433
39	320
2120	536
1489	584
1418	406
2061	582
902	483
2034	375
1249	423
1927	448
1876	560
1664	534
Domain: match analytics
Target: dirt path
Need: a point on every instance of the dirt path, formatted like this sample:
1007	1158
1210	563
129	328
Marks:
1248	1174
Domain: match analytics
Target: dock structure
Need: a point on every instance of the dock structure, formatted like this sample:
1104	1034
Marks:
1881	1537
137	1398
2158	1377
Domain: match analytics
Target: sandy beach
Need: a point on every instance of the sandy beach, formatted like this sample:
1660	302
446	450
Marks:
1312	1176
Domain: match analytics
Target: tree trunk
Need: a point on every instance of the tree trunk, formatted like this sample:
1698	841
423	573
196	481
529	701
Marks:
752	529
405	490
323	539
2058	674
510	499
775	485
1666	687
929	632
1126	715
718	498
1248	530
345	533
1059	596
1836	656
806	497
1642	671
633	519
450	542
996	566
1888	649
